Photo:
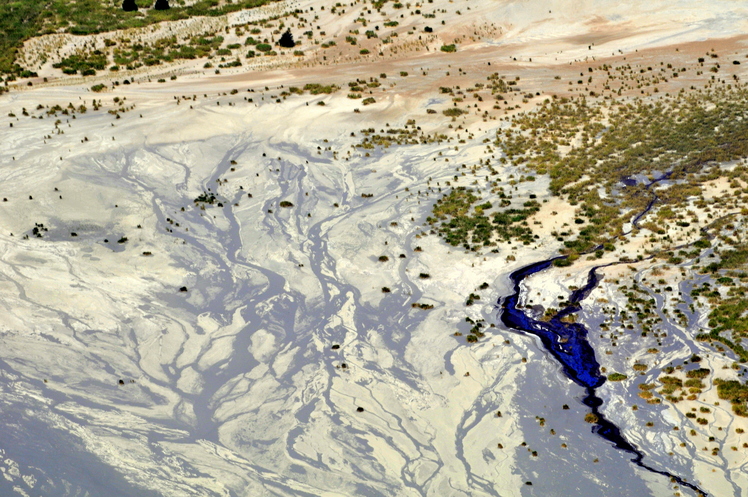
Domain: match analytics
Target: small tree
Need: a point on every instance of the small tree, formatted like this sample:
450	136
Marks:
286	40
129	6
161	5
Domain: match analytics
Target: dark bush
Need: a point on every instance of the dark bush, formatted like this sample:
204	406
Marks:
286	40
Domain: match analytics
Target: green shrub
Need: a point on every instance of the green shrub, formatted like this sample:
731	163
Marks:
453	112
316	88
233	63
698	373
448	48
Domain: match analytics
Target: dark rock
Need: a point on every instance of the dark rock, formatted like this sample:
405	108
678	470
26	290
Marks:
161	5
129	6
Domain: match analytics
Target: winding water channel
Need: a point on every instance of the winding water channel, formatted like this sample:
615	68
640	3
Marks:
567	342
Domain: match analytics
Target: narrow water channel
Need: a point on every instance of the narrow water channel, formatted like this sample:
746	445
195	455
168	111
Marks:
567	342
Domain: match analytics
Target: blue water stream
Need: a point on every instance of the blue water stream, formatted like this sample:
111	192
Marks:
567	342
